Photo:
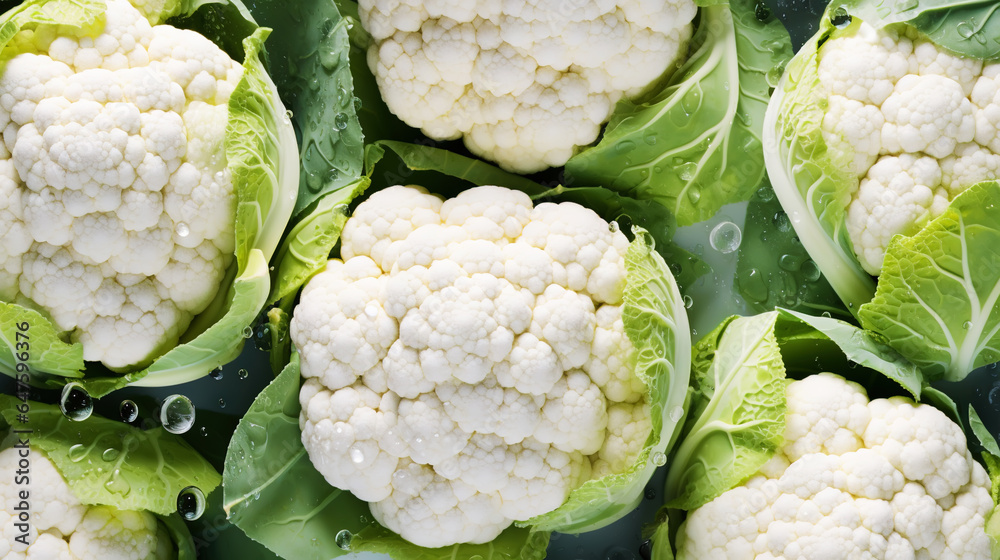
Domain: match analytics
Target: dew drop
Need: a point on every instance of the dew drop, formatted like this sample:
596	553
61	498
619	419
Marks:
243	374
725	237
613	227
790	262
340	121
177	414
75	402
782	222
994	397
762	12
182	229
222	403
688	302
810	271
752	285
694	195
650	493
128	410
288	117
247	331
204	431
676	414
77	452
686	171
117	484
110	454
659	459
343	539
840	18
191	503
967	325
625	146
357	104
216	373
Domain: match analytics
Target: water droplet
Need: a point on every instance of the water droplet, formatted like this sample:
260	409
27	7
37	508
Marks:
613	227
840	18
625	146
110	454
789	262
994	396
247	331
810	271
357	104
216	373
117	484
329	57
676	414
692	101
288	117
75	402
650	493
688	302
752	285
650	139
182	229
177	414
762	12
782	222
340	121
191	503
204	431
694	195
128	410
687	171
222	403
243	374
659	459
967	325
357	456
78	452
725	237
343	539
773	75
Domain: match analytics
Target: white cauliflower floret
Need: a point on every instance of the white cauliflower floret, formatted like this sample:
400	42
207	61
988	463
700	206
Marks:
114	166
854	479
526	84
916	125
898	196
457	374
62	528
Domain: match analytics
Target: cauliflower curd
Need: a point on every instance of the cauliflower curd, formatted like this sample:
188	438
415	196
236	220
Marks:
854	479
117	209
524	83
62	528
916	124
466	363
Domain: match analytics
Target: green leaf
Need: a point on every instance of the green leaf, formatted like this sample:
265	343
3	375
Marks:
983	434
38	341
812	183
938	294
774	269
696	144
662	549
111	463
739	426
656	324
274	494
180	534
310	63
967	27
307	246
866	349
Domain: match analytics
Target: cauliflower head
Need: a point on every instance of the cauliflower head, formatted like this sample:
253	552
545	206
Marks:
465	361
62	528
855	479
914	124
525	84
117	209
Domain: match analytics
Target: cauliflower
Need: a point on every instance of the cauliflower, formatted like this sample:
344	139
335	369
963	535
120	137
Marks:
854	479
524	84
117	200
465	362
915	124
62	528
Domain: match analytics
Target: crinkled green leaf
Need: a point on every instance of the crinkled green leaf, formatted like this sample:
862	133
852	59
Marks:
812	183
938	297
965	27
774	269
180	534
656	324
696	144
983	434
146	471
274	494
735	430
38	341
